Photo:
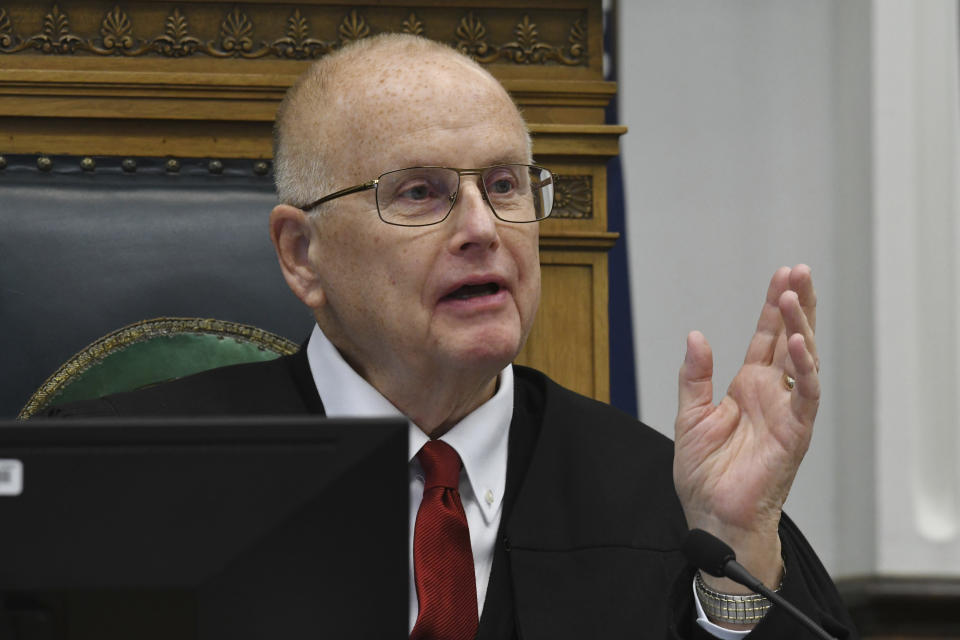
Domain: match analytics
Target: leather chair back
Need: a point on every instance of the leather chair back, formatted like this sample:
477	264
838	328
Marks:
84	251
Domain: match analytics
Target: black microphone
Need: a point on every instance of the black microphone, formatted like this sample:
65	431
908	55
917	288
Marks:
708	553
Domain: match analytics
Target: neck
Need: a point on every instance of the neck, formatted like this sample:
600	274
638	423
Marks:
434	395
433	399
433	403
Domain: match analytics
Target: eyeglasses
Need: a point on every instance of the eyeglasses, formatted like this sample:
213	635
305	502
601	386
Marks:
421	196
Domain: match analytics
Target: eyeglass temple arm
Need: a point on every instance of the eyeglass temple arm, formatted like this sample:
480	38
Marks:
339	194
544	183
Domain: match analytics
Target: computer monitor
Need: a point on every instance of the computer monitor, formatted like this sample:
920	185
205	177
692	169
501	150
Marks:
206	529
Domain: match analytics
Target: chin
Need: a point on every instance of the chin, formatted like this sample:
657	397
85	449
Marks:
493	350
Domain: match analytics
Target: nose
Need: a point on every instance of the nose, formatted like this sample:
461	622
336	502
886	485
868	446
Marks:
475	226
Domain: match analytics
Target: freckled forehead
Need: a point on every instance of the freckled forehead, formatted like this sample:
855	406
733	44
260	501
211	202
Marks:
399	109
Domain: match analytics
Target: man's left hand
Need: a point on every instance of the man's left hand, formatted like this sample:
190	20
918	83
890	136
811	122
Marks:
734	462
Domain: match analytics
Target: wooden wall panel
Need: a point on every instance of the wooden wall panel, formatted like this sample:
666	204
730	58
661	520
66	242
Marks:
569	339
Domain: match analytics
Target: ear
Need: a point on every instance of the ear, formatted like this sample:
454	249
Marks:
292	233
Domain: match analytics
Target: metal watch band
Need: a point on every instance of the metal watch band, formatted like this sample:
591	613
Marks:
730	608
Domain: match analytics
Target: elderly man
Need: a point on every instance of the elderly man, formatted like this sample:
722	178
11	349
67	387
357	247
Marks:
409	226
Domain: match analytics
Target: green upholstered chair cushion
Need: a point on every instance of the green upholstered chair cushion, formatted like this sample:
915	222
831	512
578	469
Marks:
153	351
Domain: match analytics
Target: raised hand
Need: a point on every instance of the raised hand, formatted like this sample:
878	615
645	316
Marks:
734	462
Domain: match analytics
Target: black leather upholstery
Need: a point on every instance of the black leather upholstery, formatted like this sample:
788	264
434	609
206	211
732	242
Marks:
85	252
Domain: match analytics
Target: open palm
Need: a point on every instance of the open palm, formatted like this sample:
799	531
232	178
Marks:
735	461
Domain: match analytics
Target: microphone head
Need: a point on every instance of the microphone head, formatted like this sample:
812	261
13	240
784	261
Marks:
707	552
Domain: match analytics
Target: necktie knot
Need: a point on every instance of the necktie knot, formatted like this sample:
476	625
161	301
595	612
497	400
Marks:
441	465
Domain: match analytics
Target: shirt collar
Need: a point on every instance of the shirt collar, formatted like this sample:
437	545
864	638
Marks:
480	438
343	392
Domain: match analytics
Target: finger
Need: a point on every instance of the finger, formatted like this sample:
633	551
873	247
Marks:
795	321
805	398
770	324
801	281
696	382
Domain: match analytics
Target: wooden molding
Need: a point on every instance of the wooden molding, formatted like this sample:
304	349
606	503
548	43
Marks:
577	139
219	60
904	607
582	241
245	97
558	33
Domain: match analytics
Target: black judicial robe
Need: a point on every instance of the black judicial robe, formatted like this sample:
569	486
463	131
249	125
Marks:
590	536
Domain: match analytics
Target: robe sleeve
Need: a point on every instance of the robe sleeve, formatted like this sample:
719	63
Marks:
806	585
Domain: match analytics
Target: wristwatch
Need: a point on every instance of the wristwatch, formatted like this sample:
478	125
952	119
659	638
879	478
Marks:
731	608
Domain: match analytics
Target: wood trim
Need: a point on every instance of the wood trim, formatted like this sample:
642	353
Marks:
135	137
577	139
582	241
903	607
565	34
240	97
46	80
216	134
212	59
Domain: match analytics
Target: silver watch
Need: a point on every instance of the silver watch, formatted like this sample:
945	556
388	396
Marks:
731	608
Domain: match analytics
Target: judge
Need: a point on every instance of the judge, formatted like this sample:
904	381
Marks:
408	225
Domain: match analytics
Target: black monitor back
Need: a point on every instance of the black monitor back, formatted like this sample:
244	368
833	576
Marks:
204	528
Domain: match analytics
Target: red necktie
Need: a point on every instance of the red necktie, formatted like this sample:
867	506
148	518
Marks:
442	557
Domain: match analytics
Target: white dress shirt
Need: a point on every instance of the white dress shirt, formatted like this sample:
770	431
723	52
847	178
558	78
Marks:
480	439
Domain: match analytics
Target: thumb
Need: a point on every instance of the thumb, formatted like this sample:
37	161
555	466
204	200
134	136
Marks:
696	382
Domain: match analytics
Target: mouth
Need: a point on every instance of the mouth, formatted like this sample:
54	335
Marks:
468	291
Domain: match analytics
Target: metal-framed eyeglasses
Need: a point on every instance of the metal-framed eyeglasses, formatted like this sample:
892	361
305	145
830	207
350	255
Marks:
421	196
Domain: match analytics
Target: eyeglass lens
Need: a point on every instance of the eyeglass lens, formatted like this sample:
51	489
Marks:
425	195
